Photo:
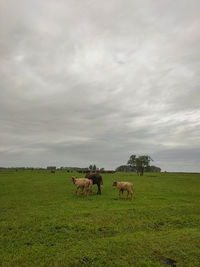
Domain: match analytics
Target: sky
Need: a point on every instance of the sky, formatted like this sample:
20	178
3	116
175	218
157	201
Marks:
93	82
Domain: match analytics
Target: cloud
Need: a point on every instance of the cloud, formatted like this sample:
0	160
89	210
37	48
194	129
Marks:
96	81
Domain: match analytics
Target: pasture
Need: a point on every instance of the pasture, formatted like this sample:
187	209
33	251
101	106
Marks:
43	222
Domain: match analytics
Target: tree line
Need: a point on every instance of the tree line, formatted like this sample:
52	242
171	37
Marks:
138	164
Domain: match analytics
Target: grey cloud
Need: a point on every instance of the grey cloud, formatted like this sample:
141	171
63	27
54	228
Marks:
96	81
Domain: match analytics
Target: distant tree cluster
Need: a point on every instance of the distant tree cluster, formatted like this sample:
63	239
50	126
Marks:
138	164
124	168
153	169
51	167
92	168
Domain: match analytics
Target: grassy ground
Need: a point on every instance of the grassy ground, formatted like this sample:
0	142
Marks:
43	223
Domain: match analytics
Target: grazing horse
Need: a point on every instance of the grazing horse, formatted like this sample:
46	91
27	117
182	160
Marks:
97	179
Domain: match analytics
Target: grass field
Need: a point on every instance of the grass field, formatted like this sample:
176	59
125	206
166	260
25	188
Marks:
43	223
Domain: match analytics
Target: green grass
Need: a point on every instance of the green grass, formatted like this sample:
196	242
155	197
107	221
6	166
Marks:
43	223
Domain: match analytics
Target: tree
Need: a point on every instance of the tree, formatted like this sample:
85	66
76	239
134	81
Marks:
142	162
124	168
132	162
153	168
139	163
92	167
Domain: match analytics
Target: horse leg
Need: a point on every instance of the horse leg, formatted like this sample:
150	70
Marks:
119	194
77	191
99	189
87	191
82	190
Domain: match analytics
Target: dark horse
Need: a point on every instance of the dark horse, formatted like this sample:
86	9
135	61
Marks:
97	179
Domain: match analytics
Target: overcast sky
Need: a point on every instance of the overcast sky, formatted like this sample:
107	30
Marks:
90	81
